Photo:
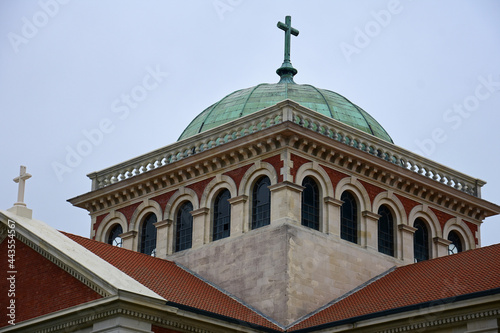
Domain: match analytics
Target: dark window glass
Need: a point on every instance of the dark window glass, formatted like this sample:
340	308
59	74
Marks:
349	218
114	236
456	243
385	231
310	203
222	216
184	227
148	235
261	203
420	241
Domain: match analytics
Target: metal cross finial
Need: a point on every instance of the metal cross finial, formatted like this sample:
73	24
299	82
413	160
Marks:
23	176
286	71
287	28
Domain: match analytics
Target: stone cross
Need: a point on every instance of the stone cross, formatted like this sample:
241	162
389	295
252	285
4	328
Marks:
287	27
23	176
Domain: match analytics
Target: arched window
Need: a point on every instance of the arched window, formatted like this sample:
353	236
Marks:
184	227
456	243
148	235
261	203
310	203
420	241
114	236
222	216
385	231
349	218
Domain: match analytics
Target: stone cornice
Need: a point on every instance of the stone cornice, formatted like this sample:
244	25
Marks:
316	145
129	305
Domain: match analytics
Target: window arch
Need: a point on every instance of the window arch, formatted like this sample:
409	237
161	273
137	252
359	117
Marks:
421	241
148	235
184	227
349	217
222	216
114	235
385	231
310	203
261	203
456	243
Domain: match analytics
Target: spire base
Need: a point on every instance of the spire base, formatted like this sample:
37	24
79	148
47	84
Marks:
286	73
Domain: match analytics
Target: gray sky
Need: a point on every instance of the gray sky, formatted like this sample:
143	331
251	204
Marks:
428	71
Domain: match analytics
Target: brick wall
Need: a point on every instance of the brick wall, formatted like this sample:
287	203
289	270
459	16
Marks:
41	287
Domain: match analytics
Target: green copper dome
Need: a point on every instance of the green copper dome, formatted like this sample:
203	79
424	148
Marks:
246	101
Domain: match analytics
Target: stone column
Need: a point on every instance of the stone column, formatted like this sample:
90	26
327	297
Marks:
200	229
405	243
162	237
129	240
286	203
440	247
239	215
369	230
332	224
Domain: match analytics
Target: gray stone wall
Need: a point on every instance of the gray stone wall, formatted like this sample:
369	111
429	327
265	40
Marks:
287	270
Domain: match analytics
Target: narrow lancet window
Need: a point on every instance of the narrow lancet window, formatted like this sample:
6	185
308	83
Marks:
261	203
222	216
349	218
184	227
310	203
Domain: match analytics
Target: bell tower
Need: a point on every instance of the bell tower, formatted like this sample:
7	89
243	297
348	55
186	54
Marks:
287	196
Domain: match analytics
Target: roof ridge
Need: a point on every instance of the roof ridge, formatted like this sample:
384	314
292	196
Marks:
347	294
113	246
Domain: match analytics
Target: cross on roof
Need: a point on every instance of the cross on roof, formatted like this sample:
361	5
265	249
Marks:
287	28
286	71
21	179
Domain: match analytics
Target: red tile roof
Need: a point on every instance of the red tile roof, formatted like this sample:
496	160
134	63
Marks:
441	278
446	277
174	283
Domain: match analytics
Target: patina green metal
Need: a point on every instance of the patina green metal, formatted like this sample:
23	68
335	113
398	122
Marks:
286	71
247	101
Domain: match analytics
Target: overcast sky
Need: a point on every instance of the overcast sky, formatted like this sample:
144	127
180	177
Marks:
428	71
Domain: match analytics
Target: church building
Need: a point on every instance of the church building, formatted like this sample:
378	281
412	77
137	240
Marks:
283	207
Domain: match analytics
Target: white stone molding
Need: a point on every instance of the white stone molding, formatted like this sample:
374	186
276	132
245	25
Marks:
285	203
239	215
430	219
146	207
219	183
129	240
314	170
256	171
369	226
398	213
286	112
352	184
440	246
201	233
333	216
162	228
215	186
458	225
113	218
181	195
362	198
426	214
405	244
259	169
